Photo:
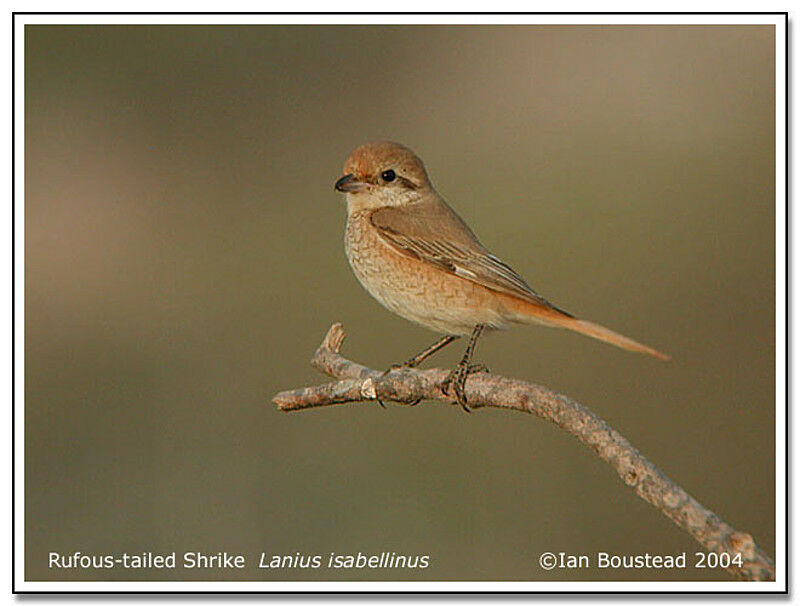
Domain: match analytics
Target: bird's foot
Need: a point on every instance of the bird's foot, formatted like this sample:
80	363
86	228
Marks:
408	403
393	367
413	402
412	363
457	379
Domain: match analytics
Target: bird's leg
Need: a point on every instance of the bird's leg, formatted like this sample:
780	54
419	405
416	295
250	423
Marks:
425	353
458	376
416	360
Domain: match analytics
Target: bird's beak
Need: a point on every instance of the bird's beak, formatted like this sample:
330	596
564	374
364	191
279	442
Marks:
349	184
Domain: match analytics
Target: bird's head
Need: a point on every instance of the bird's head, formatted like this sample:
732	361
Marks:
382	174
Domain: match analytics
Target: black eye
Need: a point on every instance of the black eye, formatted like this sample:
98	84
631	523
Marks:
388	175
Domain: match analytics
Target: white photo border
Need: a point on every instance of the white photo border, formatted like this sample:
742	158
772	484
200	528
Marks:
780	585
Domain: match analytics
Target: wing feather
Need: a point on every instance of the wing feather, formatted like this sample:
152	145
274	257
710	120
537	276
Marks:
463	256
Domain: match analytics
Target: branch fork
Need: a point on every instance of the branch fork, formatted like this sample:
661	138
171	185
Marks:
359	384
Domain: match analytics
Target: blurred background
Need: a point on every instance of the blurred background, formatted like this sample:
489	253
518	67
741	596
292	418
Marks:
184	258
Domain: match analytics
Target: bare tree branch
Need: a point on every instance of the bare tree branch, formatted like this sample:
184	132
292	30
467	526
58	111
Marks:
358	383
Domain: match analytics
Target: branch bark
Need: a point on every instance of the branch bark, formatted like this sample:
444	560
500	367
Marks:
359	384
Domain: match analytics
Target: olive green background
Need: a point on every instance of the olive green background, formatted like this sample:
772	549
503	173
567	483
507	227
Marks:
184	259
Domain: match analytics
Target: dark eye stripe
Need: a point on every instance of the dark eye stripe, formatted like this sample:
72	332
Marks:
407	183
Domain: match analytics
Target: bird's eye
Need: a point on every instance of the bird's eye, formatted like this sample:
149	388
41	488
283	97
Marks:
388	175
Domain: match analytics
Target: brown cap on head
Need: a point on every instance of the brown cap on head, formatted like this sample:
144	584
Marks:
367	162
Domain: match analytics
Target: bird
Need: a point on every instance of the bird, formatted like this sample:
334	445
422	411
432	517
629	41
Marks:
413	253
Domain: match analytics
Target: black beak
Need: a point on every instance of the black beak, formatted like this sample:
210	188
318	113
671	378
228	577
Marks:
349	184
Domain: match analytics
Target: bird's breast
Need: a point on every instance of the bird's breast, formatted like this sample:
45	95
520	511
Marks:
417	290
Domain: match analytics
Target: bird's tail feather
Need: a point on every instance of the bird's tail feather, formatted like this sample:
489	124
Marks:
590	329
536	314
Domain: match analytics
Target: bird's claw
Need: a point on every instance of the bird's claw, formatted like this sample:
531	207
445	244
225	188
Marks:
394	367
461	397
456	379
409	403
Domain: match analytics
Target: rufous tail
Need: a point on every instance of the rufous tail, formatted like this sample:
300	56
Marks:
532	313
590	329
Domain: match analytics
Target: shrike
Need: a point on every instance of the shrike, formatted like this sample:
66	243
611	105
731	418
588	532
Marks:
418	258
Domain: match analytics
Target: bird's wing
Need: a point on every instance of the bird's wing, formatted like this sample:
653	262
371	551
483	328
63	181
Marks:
436	234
